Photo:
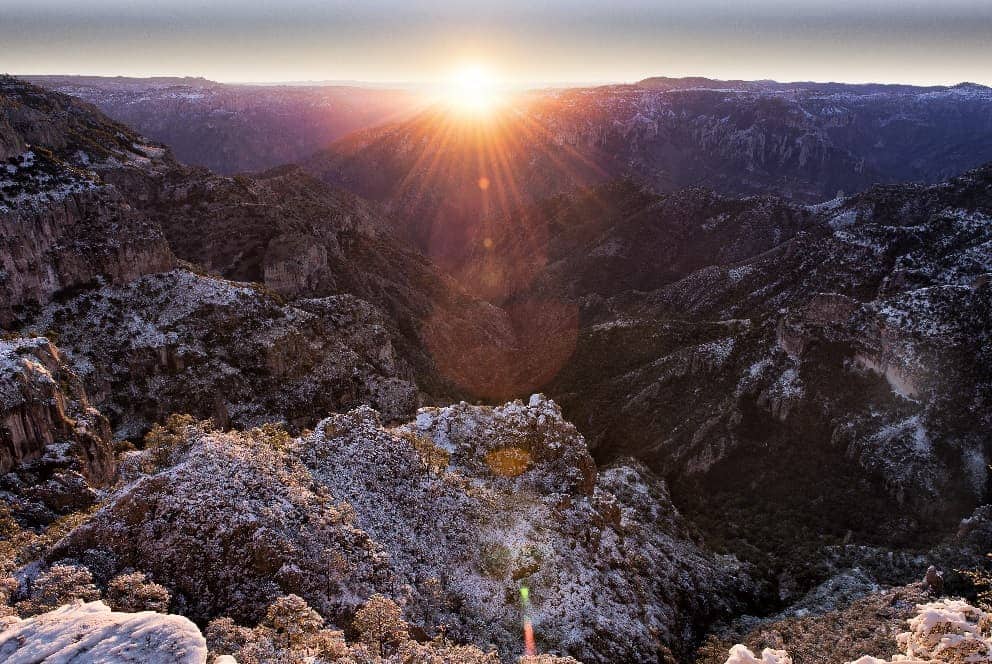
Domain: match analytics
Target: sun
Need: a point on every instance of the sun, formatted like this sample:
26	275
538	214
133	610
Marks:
472	89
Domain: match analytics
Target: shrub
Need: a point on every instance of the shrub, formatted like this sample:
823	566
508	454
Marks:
164	440
272	434
56	586
509	461
412	652
133	592
496	560
981	579
290	632
224	637
434	457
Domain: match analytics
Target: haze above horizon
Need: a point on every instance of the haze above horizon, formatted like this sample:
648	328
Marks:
535	43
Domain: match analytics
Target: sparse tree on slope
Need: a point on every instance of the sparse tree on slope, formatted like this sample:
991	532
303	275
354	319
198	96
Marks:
293	621
380	624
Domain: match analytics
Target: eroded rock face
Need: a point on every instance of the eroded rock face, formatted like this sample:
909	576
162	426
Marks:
43	403
180	342
92	632
857	344
61	226
65	244
82	216
304	239
356	508
11	143
105	214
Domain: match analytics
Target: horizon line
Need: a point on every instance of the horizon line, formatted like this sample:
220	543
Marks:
519	86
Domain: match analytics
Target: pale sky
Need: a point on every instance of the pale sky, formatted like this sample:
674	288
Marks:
521	41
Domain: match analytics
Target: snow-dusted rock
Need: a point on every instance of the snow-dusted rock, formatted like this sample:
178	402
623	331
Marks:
837	362
552	450
91	632
233	524
945	631
182	342
61	226
466	538
948	630
238	519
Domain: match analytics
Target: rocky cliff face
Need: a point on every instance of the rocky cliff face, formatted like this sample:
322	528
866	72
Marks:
86	209
302	239
180	342
66	244
742	347
43	404
855	345
62	227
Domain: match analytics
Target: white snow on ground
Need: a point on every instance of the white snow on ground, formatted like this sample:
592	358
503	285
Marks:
91	632
16	363
741	655
28	184
716	351
844	219
948	631
789	385
910	432
735	274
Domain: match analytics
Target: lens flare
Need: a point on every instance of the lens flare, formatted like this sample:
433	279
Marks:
530	647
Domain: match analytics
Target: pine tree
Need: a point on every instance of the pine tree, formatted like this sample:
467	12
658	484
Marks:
380	624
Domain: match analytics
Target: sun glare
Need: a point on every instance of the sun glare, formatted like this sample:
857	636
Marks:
472	89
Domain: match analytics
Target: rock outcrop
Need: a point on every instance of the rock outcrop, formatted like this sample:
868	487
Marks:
62	245
871	631
254	527
428	514
91	632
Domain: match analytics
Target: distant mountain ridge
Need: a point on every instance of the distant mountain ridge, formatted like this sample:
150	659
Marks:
704	83
805	142
232	128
